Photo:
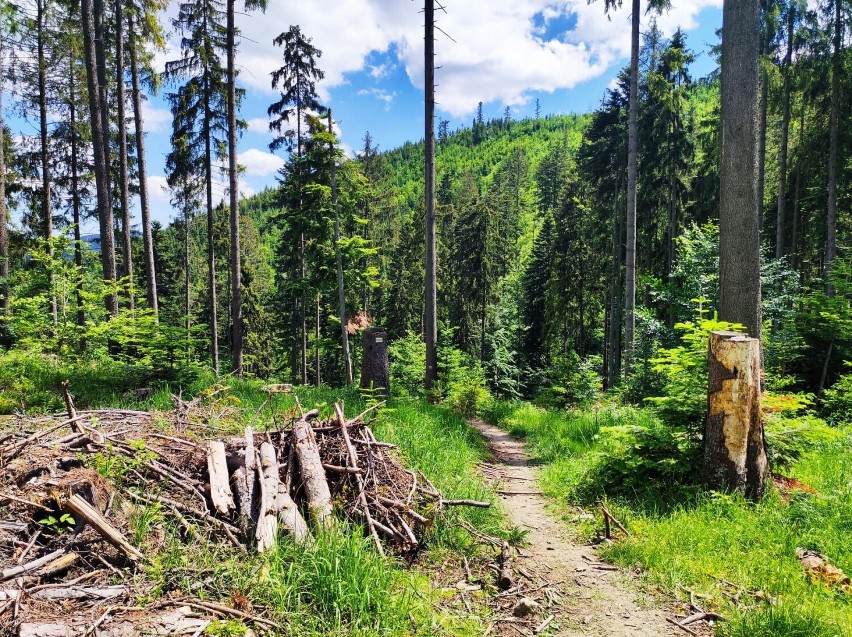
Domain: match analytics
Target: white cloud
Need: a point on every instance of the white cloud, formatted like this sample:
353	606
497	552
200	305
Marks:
258	125
501	53
158	187
155	120
380	94
259	163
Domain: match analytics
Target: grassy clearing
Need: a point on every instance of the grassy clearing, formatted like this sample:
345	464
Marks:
686	539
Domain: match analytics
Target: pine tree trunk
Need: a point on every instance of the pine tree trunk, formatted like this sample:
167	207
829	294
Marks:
430	322
632	159
75	198
797	192
147	237
211	249
236	283
734	452
785	133
375	370
123	186
318	375
341	292
761	148
47	204
614	354
833	133
105	220
187	222
739	234
4	222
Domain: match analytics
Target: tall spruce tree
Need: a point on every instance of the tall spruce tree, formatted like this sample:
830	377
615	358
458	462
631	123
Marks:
296	80
204	97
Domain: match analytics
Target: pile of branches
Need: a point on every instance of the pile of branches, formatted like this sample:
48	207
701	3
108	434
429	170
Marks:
69	486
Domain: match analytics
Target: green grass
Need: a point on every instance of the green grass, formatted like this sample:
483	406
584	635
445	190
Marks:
686	539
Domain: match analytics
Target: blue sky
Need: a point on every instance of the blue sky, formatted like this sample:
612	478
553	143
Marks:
502	52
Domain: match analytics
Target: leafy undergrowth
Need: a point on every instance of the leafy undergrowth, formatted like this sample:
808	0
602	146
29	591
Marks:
738	557
338	585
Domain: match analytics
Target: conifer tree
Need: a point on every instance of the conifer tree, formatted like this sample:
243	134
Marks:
204	98
296	81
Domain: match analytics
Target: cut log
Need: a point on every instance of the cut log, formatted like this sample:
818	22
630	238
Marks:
315	485
217	468
267	515
506	578
85	511
734	451
46	630
250	473
289	516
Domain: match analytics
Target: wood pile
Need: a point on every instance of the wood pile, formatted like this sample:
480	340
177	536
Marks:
70	486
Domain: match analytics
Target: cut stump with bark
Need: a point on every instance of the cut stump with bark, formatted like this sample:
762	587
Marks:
375	369
734	451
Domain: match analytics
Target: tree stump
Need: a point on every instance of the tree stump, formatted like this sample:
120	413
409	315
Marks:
734	451
375	371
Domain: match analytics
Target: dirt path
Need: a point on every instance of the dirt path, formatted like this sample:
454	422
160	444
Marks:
597	602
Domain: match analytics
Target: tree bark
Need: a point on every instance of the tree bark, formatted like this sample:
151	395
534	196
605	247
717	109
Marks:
123	186
375	371
217	470
734	452
211	249
614	354
314	482
833	133
797	192
632	158
105	220
46	201
236	283
761	135
147	237
780	221
75	198
4	221
430	323
341	292
739	234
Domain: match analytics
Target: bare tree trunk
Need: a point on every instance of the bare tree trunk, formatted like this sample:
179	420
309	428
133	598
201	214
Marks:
318	376
761	148
47	204
147	237
614	355
341	292
105	220
187	222
797	222
734	452
430	331
785	133
211	249
236	283
834	126
739	234
632	154
75	197
4	227
123	188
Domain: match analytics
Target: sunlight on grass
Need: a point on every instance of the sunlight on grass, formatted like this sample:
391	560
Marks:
687	539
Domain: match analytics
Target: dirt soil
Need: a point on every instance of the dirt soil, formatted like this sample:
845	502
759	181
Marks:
597	601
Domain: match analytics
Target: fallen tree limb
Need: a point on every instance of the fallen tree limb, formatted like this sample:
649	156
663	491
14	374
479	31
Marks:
112	535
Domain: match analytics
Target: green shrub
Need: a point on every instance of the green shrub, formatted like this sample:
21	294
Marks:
837	401
573	382
407	358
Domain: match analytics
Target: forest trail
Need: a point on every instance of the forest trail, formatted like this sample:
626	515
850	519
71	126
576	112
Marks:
596	602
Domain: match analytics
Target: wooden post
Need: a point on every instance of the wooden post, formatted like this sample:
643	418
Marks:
375	370
734	451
